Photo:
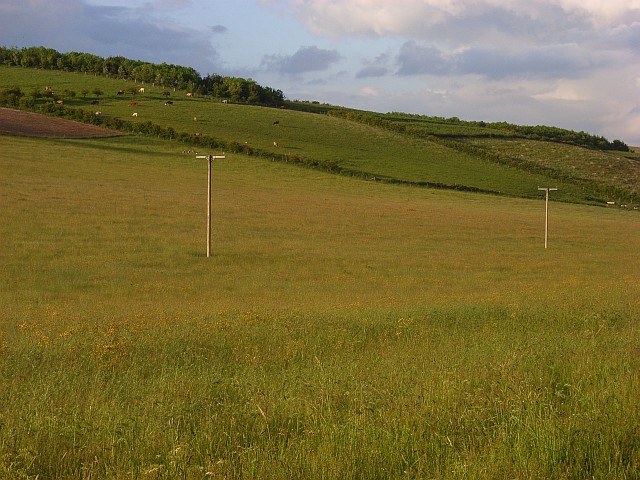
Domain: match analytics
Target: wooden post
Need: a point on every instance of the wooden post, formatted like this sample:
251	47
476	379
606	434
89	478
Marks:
209	160
546	213
209	207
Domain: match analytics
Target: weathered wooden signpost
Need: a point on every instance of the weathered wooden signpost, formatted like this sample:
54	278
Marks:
210	159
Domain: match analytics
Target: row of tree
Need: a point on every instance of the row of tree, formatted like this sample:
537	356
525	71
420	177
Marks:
555	134
166	75
537	132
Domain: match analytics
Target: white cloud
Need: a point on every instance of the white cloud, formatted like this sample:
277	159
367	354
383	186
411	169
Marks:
415	18
562	93
369	92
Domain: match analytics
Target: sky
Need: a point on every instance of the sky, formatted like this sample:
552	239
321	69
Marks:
568	63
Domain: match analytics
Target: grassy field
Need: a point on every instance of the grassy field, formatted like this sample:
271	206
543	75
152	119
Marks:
614	170
368	151
341	329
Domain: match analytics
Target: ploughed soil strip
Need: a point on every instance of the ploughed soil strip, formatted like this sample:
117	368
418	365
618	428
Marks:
29	124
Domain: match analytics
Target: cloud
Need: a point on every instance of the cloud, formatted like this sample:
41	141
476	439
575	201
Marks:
563	91
306	59
372	71
417	59
416	18
555	61
626	37
379	67
170	3
72	25
369	92
219	29
563	61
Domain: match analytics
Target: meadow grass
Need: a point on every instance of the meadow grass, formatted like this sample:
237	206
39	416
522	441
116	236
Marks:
341	329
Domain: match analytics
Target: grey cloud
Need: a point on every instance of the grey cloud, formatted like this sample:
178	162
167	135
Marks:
539	62
376	68
486	23
105	31
417	59
626	37
372	71
306	59
219	29
564	61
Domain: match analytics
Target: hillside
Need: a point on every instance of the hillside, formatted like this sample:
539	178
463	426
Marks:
418	151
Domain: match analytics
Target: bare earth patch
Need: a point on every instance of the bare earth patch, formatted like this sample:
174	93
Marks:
28	124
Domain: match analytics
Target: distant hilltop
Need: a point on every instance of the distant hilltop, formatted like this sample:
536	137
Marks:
168	76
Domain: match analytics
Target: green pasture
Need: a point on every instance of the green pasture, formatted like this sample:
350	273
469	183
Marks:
359	148
606	168
342	328
365	151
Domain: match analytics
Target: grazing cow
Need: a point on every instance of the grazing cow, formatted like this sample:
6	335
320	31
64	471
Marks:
141	90
120	92
98	114
276	123
198	134
275	144
59	102
168	103
189	94
133	104
134	114
48	89
225	101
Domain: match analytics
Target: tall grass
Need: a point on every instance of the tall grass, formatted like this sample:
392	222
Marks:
342	329
438	393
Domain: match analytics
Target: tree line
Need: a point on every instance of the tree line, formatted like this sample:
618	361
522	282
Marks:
538	132
236	89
